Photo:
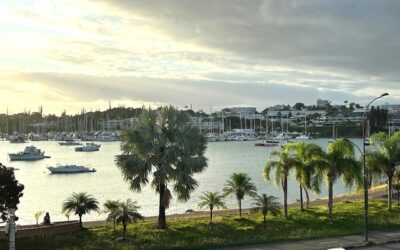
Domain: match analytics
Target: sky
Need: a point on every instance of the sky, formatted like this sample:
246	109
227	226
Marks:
74	54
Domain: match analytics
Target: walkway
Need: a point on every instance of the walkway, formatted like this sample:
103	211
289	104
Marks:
346	242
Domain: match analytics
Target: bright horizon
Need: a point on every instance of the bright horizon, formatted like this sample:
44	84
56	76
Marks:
74	54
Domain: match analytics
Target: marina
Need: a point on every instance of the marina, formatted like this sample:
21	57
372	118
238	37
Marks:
107	182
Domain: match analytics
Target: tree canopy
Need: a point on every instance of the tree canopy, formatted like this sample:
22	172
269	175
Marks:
10	191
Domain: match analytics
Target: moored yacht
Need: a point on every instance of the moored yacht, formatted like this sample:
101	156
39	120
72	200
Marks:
30	153
88	147
302	137
70	169
69	143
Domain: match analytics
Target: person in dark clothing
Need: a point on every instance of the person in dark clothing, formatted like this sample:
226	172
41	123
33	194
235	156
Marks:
46	219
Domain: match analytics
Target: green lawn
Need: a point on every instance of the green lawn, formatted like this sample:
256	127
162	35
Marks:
228	230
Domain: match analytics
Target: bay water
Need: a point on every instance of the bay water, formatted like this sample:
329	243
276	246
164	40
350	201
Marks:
46	192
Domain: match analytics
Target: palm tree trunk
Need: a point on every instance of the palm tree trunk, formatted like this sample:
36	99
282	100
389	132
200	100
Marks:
162	222
398	196
307	197
285	206
124	231
390	192
301	198
330	198
240	207
80	221
265	222
211	216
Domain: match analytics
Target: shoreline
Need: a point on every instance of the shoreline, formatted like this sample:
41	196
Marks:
375	192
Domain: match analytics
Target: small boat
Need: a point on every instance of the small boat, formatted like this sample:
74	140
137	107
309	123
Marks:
30	153
17	139
267	143
69	143
302	137
88	147
70	169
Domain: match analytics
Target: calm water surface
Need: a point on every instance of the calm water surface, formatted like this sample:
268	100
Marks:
46	192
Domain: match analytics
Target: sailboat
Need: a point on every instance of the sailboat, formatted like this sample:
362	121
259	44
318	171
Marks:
334	132
304	136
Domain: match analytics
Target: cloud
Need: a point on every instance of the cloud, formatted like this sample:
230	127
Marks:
78	91
223	53
353	37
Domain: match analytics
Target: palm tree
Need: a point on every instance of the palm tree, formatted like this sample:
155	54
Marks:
211	200
396	184
80	204
127	212
267	205
338	162
383	160
111	207
282	161
305	172
240	184
165	145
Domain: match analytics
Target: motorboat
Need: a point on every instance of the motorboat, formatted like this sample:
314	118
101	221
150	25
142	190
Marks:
302	137
17	139
267	143
88	147
69	143
37	137
106	138
70	169
30	153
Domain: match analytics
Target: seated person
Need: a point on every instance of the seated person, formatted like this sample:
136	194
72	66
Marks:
46	219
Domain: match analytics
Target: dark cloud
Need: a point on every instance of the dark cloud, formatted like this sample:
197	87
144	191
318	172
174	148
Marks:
354	37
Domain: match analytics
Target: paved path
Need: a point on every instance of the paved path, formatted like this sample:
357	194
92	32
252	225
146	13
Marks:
344	242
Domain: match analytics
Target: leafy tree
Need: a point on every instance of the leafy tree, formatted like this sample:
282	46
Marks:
338	161
282	161
384	158
126	213
111	207
299	106
165	145
80	204
10	191
211	200
266	205
240	184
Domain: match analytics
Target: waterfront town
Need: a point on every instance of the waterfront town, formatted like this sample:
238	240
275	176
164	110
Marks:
316	120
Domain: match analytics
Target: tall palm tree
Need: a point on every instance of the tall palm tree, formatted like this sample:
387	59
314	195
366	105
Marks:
165	145
240	184
384	158
211	200
338	162
80	204
282	161
396	184
305	171
127	212
111	207
267	205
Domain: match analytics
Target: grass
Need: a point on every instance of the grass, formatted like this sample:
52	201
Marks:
228	230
